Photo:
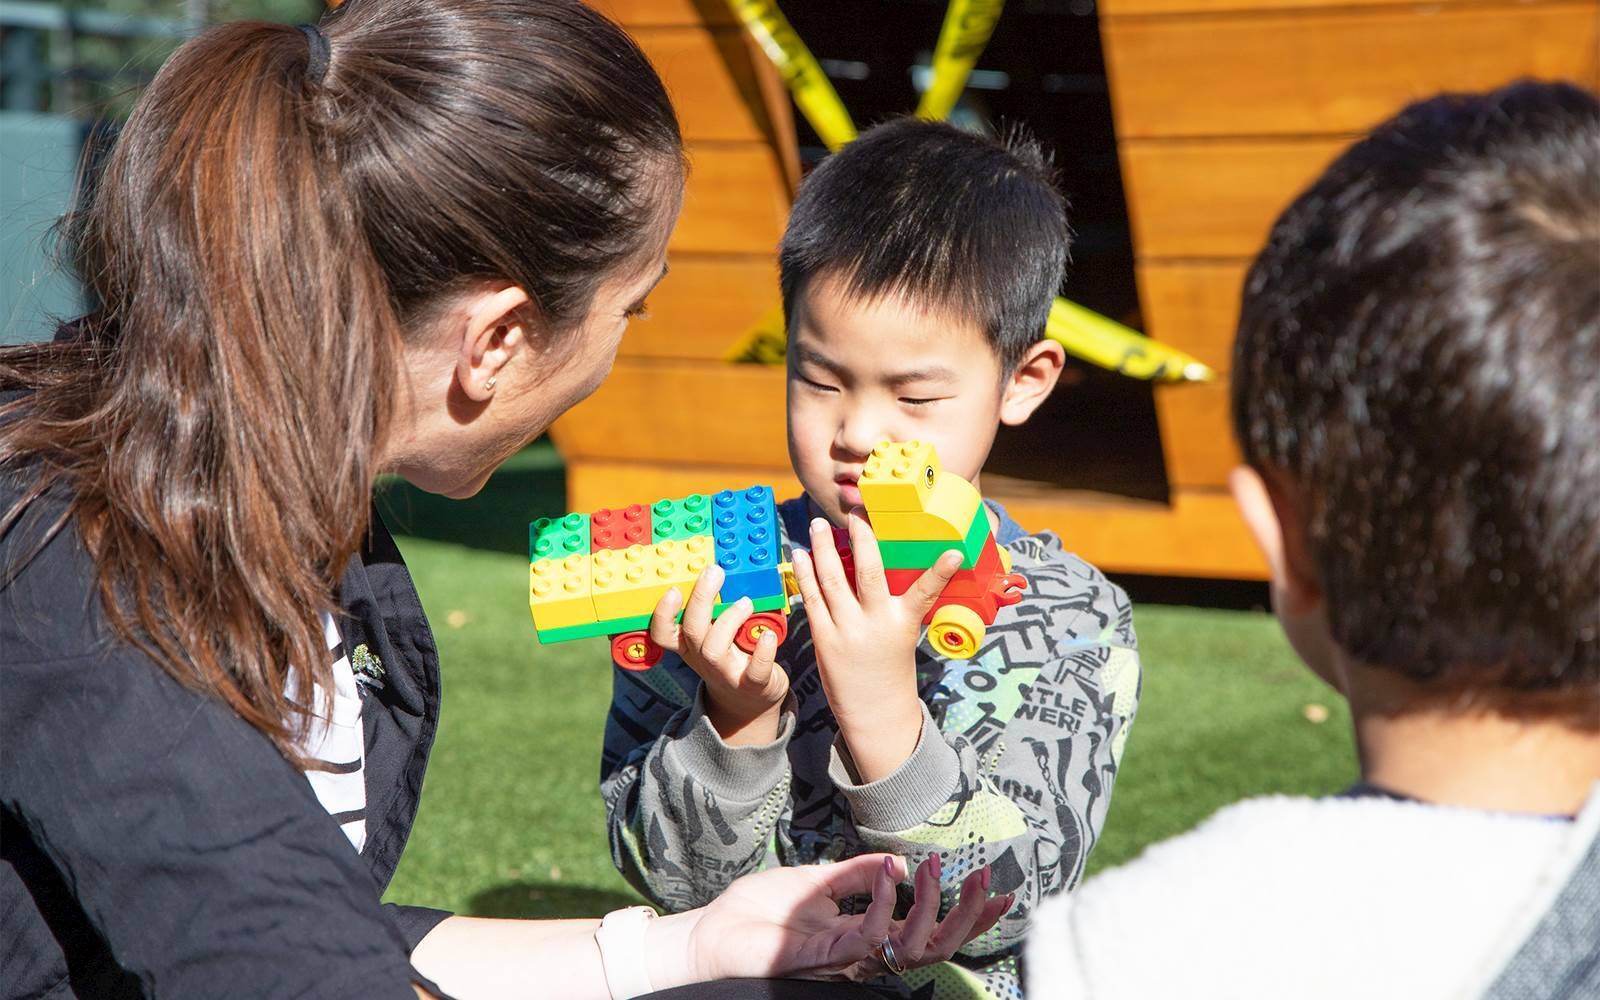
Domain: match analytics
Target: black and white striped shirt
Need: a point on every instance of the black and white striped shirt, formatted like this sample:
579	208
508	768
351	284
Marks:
339	784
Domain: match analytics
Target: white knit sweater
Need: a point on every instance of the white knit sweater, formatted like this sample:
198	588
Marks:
1310	898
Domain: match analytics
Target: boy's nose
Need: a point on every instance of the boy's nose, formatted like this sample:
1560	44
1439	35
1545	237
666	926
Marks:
856	438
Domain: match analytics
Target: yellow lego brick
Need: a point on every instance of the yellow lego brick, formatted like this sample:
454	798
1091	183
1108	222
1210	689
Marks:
629	582
559	592
899	476
951	508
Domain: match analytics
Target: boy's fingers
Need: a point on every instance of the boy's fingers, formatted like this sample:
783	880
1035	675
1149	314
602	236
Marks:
805	577
720	637
871	584
825	561
931	584
759	672
697	612
663	621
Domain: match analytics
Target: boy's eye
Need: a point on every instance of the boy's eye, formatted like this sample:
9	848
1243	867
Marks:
820	387
920	401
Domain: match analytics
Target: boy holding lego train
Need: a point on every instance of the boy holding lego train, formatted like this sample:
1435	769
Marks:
917	270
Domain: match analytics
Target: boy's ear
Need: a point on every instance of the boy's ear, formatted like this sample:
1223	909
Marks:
1272	511
494	327
1032	382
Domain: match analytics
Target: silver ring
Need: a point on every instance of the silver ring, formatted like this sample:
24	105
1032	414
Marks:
889	961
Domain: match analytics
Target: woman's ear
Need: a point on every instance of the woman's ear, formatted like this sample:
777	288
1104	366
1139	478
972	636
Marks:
494	328
1272	511
1032	382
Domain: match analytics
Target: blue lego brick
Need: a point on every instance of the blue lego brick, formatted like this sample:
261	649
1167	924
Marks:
557	538
744	527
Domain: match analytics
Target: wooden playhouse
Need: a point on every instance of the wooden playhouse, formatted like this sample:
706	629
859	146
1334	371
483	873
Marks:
1224	109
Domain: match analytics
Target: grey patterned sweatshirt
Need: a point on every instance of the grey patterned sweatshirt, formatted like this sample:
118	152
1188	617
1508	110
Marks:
1019	749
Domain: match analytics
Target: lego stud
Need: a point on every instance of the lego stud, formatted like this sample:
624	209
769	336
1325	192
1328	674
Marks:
724	499
757	515
574	585
726	519
696	565
541	523
634	574
573	564
756	494
694	501
696	523
572	522
727	560
634	554
605	557
603	516
603	577
541	587
662	508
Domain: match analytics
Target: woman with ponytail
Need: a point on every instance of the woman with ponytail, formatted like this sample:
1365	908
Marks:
402	241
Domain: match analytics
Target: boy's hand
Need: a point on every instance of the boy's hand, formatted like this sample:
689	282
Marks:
744	691
866	643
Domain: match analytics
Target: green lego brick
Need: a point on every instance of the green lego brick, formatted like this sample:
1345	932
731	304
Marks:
615	626
557	538
921	555
758	604
671	520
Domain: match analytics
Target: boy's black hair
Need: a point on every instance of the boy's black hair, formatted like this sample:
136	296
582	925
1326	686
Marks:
1419	356
940	216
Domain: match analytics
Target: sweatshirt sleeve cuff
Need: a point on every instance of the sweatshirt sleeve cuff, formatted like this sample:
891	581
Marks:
908	795
738	773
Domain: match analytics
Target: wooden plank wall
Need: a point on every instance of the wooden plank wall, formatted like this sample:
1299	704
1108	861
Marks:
672	413
1225	109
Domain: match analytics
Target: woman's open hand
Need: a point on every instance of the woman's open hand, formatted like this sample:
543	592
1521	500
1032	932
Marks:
786	922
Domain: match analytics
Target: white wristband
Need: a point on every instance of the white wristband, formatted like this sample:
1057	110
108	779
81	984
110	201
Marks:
621	940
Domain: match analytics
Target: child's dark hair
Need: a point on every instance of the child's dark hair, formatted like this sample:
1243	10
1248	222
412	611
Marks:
1419	356
936	215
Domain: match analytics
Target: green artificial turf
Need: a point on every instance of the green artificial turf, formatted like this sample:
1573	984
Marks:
511	822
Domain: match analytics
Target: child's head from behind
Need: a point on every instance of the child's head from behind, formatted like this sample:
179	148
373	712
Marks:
918	269
1415	390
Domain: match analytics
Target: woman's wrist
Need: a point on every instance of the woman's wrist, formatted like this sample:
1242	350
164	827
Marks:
669	951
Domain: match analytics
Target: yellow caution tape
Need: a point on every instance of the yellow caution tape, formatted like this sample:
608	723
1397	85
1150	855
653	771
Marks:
809	86
1100	341
967	27
766	343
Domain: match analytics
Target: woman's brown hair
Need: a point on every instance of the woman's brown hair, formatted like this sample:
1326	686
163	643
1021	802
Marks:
257	239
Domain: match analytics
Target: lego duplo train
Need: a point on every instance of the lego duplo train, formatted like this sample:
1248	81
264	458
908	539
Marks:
603	573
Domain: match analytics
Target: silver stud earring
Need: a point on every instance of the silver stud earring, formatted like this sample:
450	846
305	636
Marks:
489	384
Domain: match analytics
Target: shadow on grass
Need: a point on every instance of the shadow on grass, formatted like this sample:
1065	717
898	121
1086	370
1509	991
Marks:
530	484
547	899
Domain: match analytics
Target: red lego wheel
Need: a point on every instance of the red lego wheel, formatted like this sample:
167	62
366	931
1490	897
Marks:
758	625
634	651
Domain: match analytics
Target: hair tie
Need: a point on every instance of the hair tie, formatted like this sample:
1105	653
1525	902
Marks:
318	50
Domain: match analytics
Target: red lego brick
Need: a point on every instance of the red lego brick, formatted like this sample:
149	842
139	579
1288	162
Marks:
972	582
619	529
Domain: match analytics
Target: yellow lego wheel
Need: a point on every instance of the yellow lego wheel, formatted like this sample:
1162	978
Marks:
956	631
635	651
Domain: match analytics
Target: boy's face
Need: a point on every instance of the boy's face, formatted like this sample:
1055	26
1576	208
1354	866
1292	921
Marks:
866	371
